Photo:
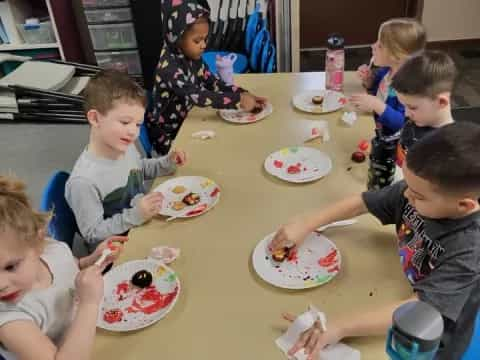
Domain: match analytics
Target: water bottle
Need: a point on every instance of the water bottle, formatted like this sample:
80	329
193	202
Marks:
415	333
381	171
225	67
334	63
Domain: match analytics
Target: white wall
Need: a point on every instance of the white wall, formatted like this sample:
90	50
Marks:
452	19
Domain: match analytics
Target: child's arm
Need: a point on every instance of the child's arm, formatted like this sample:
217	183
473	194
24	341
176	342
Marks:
214	83
162	166
390	115
84	199
79	338
198	95
370	323
297	230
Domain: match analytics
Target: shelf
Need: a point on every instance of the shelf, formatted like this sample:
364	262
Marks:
24	46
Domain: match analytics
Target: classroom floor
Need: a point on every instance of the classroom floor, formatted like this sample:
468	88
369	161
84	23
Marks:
467	92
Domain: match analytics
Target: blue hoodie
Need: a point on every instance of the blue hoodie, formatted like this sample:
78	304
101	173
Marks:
393	118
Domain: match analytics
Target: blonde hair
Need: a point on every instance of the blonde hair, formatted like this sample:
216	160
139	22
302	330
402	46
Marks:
402	37
17	214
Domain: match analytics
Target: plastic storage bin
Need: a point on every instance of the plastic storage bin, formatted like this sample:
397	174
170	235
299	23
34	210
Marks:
113	36
108	15
120	60
105	3
41	34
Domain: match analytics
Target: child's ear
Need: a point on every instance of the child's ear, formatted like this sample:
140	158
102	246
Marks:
93	117
443	100
466	205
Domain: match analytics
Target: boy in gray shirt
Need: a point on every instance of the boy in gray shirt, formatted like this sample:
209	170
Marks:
436	214
106	188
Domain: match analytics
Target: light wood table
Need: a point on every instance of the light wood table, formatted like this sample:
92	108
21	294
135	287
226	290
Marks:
225	311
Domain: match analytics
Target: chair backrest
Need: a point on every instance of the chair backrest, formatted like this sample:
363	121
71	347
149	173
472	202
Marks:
63	225
145	141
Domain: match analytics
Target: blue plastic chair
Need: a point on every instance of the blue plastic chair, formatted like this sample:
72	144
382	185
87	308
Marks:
239	66
473	349
261	41
254	24
63	225
145	141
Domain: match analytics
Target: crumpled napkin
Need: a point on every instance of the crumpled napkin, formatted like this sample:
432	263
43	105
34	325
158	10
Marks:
349	117
164	254
204	134
305	321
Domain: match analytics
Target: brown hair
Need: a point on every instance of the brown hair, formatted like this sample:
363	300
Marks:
17	214
452	152
402	37
109	86
426	74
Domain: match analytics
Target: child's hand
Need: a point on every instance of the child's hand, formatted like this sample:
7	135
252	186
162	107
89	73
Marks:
114	243
89	285
366	103
314	339
248	102
261	101
291	234
150	204
364	73
179	157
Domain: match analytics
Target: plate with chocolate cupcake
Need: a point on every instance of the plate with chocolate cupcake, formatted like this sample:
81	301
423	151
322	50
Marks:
188	196
245	117
136	295
315	262
298	164
319	101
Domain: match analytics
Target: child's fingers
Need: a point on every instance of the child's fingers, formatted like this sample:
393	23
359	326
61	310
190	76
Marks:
289	317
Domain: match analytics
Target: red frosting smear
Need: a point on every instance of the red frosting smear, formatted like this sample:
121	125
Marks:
334	269
150	301
294	169
198	210
293	256
278	164
214	192
122	290
113	316
328	260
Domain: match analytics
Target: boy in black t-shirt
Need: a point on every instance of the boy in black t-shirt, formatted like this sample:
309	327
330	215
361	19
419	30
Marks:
437	218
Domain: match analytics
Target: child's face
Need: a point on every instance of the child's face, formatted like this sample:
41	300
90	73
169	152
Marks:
194	41
18	268
424	111
119	127
381	56
431	203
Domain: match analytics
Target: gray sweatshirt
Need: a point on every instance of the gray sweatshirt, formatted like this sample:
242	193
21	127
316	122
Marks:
104	193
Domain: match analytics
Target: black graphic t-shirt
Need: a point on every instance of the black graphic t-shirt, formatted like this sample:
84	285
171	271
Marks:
441	260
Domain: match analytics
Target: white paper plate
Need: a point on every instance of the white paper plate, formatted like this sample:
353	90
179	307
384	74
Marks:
315	263
332	101
244	117
139	307
208	190
298	164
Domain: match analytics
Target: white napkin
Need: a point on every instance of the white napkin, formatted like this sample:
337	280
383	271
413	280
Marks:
349	117
305	321
164	254
315	129
204	134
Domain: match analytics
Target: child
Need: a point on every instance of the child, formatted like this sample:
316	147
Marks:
397	39
183	79
437	217
106	188
424	85
38	280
